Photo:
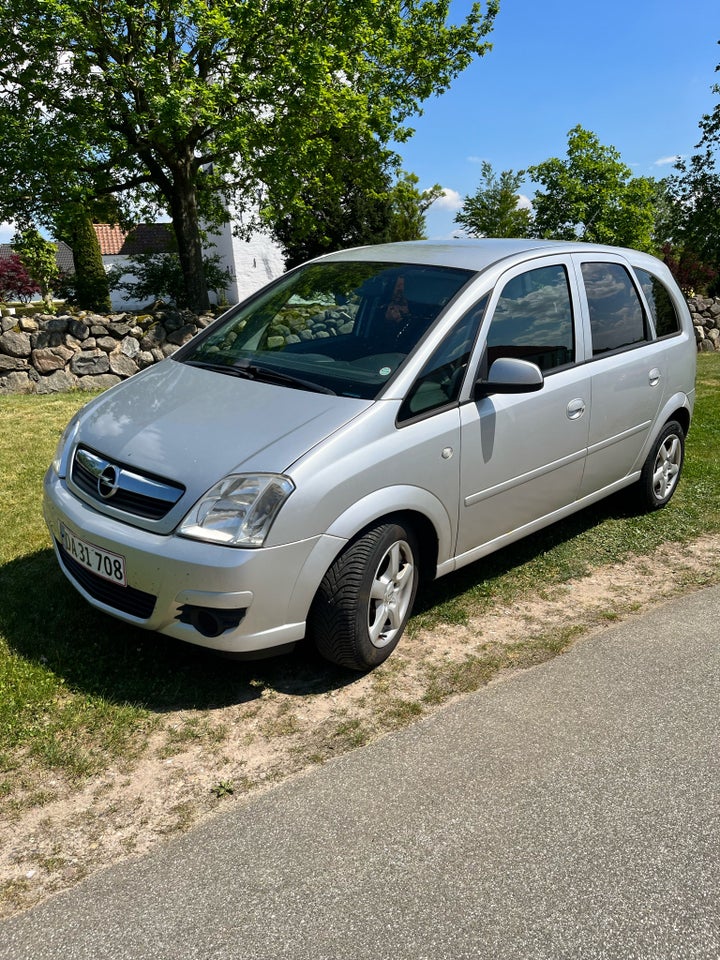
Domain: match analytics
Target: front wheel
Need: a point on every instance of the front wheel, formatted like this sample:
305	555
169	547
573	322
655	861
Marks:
661	471
365	599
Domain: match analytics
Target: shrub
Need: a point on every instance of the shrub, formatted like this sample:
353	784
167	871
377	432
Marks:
15	282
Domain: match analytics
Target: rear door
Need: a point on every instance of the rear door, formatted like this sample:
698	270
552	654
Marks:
627	370
523	455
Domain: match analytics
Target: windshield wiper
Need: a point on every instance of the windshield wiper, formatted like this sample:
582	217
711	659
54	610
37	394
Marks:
253	371
270	375
231	370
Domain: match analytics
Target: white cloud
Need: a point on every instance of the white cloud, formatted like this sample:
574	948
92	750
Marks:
666	161
475	159
7	232
450	200
523	202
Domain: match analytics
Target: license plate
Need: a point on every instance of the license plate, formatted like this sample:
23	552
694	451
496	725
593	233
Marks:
103	563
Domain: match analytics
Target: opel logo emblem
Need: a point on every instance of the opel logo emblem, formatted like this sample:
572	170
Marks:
107	483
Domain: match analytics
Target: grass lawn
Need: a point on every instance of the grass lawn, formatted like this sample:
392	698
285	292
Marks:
79	690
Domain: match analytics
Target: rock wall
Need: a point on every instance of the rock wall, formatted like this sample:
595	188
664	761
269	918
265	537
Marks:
50	354
705	313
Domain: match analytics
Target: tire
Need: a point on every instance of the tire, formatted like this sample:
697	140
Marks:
366	597
661	471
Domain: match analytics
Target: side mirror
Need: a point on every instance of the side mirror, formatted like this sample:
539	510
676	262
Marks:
509	375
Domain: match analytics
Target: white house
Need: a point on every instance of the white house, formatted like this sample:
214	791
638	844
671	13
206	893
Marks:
249	264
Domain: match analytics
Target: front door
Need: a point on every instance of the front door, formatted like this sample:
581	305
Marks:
523	454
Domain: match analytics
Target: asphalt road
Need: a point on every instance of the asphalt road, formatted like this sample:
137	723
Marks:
571	811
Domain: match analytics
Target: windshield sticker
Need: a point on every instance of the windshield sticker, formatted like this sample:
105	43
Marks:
385	371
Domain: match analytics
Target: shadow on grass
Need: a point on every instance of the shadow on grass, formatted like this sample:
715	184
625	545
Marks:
491	569
46	622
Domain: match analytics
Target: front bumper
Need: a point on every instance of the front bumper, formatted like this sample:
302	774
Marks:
262	594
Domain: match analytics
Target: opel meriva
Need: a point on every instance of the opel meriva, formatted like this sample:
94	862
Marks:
372	418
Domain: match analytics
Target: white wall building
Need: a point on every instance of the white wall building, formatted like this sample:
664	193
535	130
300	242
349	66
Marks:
249	264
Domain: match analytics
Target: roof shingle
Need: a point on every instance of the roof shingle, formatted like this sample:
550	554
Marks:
144	238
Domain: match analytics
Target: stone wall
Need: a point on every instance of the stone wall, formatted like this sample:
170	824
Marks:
705	313
50	354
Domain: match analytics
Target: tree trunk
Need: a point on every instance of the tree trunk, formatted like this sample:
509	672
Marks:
186	224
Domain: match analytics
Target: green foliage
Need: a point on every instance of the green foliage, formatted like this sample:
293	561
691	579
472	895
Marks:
39	258
493	211
353	203
15	282
159	276
408	206
591	195
345	204
185	104
223	789
695	194
90	285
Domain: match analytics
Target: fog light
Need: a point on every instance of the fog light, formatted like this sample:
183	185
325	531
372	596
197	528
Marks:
209	621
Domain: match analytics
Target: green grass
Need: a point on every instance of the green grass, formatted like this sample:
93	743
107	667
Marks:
79	690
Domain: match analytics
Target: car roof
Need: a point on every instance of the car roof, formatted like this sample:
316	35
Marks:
468	254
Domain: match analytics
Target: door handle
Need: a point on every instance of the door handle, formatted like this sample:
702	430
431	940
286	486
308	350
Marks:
575	409
654	377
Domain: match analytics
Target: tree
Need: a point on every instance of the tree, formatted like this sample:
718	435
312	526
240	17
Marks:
695	190
159	275
39	257
493	210
408	206
185	105
15	282
91	288
345	204
592	195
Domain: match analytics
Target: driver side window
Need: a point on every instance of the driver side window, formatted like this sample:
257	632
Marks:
441	378
533	320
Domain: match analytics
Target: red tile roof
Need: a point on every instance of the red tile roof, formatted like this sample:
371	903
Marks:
145	238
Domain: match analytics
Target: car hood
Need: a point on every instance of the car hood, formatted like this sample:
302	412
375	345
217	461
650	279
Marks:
196	425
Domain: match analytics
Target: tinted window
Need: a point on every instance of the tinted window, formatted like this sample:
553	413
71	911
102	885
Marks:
533	320
616	314
440	379
660	302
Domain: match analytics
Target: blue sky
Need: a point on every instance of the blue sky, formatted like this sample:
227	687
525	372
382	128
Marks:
638	73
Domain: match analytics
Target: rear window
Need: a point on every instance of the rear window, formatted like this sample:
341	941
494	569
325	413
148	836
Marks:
617	318
662	308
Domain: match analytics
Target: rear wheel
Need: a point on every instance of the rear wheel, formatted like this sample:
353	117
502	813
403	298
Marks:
661	471
365	599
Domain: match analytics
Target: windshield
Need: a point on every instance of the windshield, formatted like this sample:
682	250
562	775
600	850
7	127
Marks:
340	327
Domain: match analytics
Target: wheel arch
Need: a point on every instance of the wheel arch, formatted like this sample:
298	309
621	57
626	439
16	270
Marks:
682	416
403	504
679	407
425	534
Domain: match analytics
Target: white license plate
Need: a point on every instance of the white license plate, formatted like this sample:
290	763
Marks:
103	563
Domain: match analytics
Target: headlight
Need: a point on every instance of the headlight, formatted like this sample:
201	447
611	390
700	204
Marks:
238	511
59	460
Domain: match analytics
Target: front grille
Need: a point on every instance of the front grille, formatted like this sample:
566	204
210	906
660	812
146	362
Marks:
117	486
128	600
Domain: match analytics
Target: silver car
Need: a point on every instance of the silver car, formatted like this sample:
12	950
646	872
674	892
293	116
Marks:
374	418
